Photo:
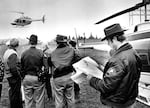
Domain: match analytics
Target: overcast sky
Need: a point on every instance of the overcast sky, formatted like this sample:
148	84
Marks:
62	17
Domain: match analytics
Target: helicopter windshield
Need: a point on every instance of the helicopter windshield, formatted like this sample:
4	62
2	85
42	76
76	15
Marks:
20	21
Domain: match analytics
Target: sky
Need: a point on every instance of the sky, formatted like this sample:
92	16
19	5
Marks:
66	17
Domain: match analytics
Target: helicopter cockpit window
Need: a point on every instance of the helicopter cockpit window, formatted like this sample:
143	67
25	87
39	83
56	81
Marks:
145	62
145	57
136	29
23	21
17	20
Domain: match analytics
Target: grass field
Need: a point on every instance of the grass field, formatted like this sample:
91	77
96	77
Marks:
89	98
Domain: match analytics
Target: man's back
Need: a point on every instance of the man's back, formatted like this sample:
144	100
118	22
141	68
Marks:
32	60
61	60
62	56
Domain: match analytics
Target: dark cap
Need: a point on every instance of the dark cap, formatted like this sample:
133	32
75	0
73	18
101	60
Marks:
112	30
61	38
33	39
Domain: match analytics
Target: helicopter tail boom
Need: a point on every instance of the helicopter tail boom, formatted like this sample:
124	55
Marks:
43	19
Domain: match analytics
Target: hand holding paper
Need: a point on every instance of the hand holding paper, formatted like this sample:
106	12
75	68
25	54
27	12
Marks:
86	66
79	77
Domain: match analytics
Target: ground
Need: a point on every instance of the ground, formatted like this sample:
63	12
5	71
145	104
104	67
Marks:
89	98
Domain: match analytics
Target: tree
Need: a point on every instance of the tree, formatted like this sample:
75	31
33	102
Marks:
91	36
73	38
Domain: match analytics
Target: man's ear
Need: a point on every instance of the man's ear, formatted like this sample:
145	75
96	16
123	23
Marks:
115	38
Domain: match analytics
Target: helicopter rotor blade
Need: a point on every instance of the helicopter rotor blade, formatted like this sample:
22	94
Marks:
18	12
124	11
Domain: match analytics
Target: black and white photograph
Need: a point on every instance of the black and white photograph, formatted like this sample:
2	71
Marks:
75	54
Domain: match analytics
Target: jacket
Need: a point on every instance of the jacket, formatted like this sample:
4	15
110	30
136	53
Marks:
62	59
119	86
1	70
32	61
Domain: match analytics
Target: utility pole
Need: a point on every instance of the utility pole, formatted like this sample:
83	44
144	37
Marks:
84	37
76	37
145	12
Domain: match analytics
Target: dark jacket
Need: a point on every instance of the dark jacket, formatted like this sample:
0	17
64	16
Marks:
119	85
1	70
62	59
32	61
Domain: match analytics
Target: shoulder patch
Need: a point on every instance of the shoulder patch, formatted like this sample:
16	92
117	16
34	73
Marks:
125	62
111	71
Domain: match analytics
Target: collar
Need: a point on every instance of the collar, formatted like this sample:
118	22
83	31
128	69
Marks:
62	45
123	47
33	46
13	48
122	44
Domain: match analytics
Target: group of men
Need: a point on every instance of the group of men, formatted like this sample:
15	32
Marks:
118	87
28	69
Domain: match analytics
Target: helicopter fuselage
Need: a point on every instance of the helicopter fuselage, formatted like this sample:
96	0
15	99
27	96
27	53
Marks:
22	21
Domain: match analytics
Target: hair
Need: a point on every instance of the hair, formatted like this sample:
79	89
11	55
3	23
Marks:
13	46
33	39
13	43
16	45
120	37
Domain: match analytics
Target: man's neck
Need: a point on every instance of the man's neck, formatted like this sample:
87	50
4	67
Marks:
32	46
12	48
119	45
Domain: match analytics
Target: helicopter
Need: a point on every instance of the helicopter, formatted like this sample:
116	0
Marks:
25	20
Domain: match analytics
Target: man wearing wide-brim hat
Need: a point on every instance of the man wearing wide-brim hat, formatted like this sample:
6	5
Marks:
32	61
112	31
12	73
61	60
119	85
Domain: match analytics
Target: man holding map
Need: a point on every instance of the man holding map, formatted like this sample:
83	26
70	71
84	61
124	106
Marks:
119	85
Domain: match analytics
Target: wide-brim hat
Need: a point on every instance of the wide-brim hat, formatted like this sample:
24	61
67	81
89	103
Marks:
13	42
33	39
112	30
61	38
